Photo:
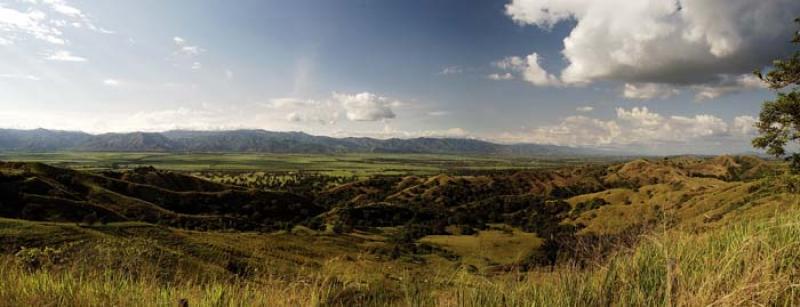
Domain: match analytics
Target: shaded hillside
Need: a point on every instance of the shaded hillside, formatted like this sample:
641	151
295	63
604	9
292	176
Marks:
449	190
40	192
36	191
40	140
260	141
637	190
137	141
253	141
569	208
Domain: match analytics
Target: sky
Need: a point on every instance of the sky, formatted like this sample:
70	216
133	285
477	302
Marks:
649	76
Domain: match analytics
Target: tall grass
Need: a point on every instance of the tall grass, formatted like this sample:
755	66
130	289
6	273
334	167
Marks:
19	287
746	263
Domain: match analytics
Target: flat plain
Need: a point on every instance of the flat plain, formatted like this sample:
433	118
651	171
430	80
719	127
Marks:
358	164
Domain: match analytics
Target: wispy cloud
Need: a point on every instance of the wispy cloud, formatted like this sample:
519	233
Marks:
728	85
438	113
285	102
20	77
64	8
501	76
64	56
294	117
646	91
16	25
186	49
186	54
451	70
44	20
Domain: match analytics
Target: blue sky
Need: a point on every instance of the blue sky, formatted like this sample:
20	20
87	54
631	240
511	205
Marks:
652	76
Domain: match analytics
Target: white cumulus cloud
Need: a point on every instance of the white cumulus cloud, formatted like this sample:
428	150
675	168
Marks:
527	68
745	125
366	106
684	42
576	130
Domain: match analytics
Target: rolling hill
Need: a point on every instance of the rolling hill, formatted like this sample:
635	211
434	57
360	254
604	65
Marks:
704	225
585	196
36	191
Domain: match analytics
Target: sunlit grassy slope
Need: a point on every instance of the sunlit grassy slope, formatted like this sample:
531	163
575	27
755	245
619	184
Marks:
692	203
743	262
490	247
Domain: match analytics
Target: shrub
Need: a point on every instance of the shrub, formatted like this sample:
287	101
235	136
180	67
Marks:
40	258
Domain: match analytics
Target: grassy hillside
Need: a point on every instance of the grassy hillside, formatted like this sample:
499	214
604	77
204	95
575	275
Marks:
679	231
747	262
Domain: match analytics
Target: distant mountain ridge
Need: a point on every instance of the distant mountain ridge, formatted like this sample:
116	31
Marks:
260	141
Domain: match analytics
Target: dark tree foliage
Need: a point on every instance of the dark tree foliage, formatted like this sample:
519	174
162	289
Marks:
586	206
779	121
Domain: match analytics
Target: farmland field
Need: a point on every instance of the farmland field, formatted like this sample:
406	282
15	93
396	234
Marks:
345	165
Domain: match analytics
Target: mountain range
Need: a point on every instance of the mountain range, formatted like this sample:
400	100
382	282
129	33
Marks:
259	141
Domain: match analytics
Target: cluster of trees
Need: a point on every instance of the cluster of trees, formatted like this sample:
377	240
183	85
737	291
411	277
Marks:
779	120
301	183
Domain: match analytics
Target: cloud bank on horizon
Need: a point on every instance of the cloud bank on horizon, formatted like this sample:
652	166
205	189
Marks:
651	76
639	128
